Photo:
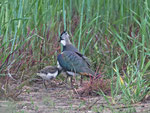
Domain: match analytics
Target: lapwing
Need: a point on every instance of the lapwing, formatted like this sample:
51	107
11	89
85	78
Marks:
71	62
68	46
49	73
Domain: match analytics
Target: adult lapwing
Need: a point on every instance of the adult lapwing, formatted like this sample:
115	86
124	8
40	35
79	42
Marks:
68	46
71	62
49	73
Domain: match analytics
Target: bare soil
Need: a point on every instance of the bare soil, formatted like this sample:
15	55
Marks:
60	98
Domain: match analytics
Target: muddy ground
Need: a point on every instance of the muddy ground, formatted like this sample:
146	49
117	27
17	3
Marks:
60	98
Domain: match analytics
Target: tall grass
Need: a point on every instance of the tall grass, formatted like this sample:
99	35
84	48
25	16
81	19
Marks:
113	34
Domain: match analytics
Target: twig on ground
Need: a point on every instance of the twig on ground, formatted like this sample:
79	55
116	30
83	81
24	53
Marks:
90	106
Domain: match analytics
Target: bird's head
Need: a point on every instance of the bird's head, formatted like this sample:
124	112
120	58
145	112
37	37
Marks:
64	38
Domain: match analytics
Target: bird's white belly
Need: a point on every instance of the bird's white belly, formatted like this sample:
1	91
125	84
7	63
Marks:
48	76
71	73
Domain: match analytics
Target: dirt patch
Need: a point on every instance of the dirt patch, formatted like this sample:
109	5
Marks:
62	99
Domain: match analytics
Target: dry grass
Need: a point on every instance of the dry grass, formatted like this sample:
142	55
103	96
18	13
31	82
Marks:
93	87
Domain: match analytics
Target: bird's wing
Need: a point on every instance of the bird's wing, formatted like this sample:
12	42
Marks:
71	61
70	47
86	59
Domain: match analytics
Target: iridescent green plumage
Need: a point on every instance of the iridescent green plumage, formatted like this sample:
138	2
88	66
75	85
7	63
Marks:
71	61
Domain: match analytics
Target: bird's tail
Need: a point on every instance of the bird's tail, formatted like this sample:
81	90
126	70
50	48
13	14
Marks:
88	72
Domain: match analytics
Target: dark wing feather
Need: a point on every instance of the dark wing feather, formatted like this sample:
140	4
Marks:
70	47
70	61
85	59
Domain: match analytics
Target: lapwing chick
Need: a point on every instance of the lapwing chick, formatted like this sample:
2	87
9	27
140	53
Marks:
48	73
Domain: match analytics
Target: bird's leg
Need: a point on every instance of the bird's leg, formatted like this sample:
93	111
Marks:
71	81
44	84
66	79
81	80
